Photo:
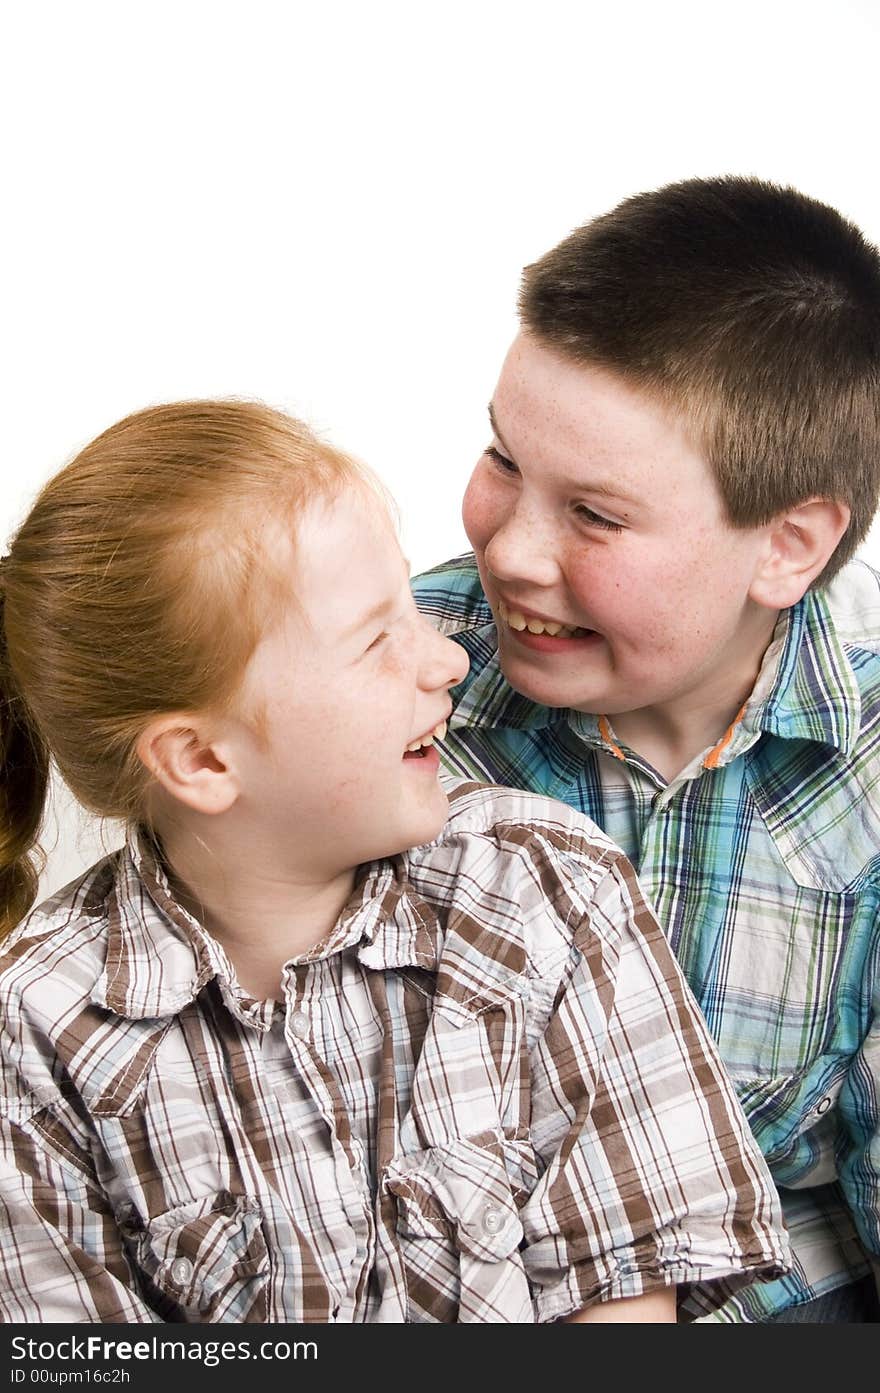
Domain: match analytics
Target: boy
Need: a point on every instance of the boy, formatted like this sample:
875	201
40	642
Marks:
304	1049
663	632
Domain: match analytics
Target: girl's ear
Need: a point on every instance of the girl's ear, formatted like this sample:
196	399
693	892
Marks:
800	543
190	762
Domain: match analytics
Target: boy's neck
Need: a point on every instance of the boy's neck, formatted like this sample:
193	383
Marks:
669	746
669	736
261	913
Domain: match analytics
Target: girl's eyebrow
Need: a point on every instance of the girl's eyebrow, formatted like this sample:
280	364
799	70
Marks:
380	610
371	616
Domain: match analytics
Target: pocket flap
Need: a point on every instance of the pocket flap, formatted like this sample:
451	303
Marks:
460	1189
208	1257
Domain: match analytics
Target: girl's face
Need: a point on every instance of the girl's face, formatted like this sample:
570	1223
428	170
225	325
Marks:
349	677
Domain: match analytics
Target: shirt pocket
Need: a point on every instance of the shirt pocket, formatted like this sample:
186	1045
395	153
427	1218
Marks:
204	1262
795	1121
459	1231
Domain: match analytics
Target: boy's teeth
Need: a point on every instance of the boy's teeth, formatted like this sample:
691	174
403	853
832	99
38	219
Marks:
517	621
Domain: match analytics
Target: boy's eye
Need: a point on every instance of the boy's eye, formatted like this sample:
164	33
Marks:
596	519
380	638
506	465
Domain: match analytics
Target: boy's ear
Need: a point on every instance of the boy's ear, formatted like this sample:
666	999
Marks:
799	545
189	762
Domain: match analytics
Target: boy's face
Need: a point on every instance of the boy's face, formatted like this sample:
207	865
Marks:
593	510
351	676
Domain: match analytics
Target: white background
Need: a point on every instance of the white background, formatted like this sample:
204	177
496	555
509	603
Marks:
327	205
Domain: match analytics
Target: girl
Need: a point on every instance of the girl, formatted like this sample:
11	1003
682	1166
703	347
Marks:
310	1047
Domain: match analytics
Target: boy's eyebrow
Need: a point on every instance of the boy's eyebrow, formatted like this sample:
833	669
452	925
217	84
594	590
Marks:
493	421
590	486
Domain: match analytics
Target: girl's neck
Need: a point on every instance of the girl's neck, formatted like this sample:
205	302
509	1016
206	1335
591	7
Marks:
261	912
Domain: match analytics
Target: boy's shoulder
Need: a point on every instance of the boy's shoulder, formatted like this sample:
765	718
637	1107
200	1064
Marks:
852	600
451	595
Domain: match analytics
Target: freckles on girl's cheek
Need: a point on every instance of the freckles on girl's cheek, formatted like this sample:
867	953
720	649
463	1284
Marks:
346	792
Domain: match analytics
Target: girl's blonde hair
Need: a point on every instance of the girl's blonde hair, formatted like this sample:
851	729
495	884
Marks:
138	585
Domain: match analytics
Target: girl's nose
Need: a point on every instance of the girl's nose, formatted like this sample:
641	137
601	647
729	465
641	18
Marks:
444	663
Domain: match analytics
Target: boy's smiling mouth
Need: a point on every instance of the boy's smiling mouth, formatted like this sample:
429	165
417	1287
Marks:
520	623
544	634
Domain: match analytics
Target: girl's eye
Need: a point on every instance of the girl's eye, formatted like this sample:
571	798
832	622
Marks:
596	519
506	465
380	638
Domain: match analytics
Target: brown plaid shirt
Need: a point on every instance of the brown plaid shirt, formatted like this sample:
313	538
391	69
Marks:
486	1096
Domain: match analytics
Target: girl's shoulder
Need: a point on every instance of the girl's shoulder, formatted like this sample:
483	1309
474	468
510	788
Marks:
526	866
55	957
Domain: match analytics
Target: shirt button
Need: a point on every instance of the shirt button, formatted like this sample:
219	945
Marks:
823	1105
181	1271
299	1024
493	1219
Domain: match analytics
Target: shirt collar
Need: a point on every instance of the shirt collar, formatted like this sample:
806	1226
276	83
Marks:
159	957
806	689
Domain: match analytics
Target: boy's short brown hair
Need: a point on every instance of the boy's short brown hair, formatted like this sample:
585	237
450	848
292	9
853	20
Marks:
752	310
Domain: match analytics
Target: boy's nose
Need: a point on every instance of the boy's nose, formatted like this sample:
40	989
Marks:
522	550
443	663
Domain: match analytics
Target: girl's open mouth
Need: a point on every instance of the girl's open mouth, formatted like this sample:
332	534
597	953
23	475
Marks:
423	748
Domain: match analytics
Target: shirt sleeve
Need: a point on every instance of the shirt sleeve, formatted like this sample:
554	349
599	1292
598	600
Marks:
859	1161
61	1252
650	1174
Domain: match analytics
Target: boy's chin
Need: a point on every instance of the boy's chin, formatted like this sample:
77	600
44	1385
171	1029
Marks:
549	688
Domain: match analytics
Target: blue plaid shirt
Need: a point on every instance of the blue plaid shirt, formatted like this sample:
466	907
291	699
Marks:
762	859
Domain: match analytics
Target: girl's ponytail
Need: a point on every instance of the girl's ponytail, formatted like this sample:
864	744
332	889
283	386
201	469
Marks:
24	777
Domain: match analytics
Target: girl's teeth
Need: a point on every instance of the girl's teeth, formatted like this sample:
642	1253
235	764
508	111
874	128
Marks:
437	733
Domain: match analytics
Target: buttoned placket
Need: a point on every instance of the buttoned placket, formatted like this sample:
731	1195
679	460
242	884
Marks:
303	1035
652	795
